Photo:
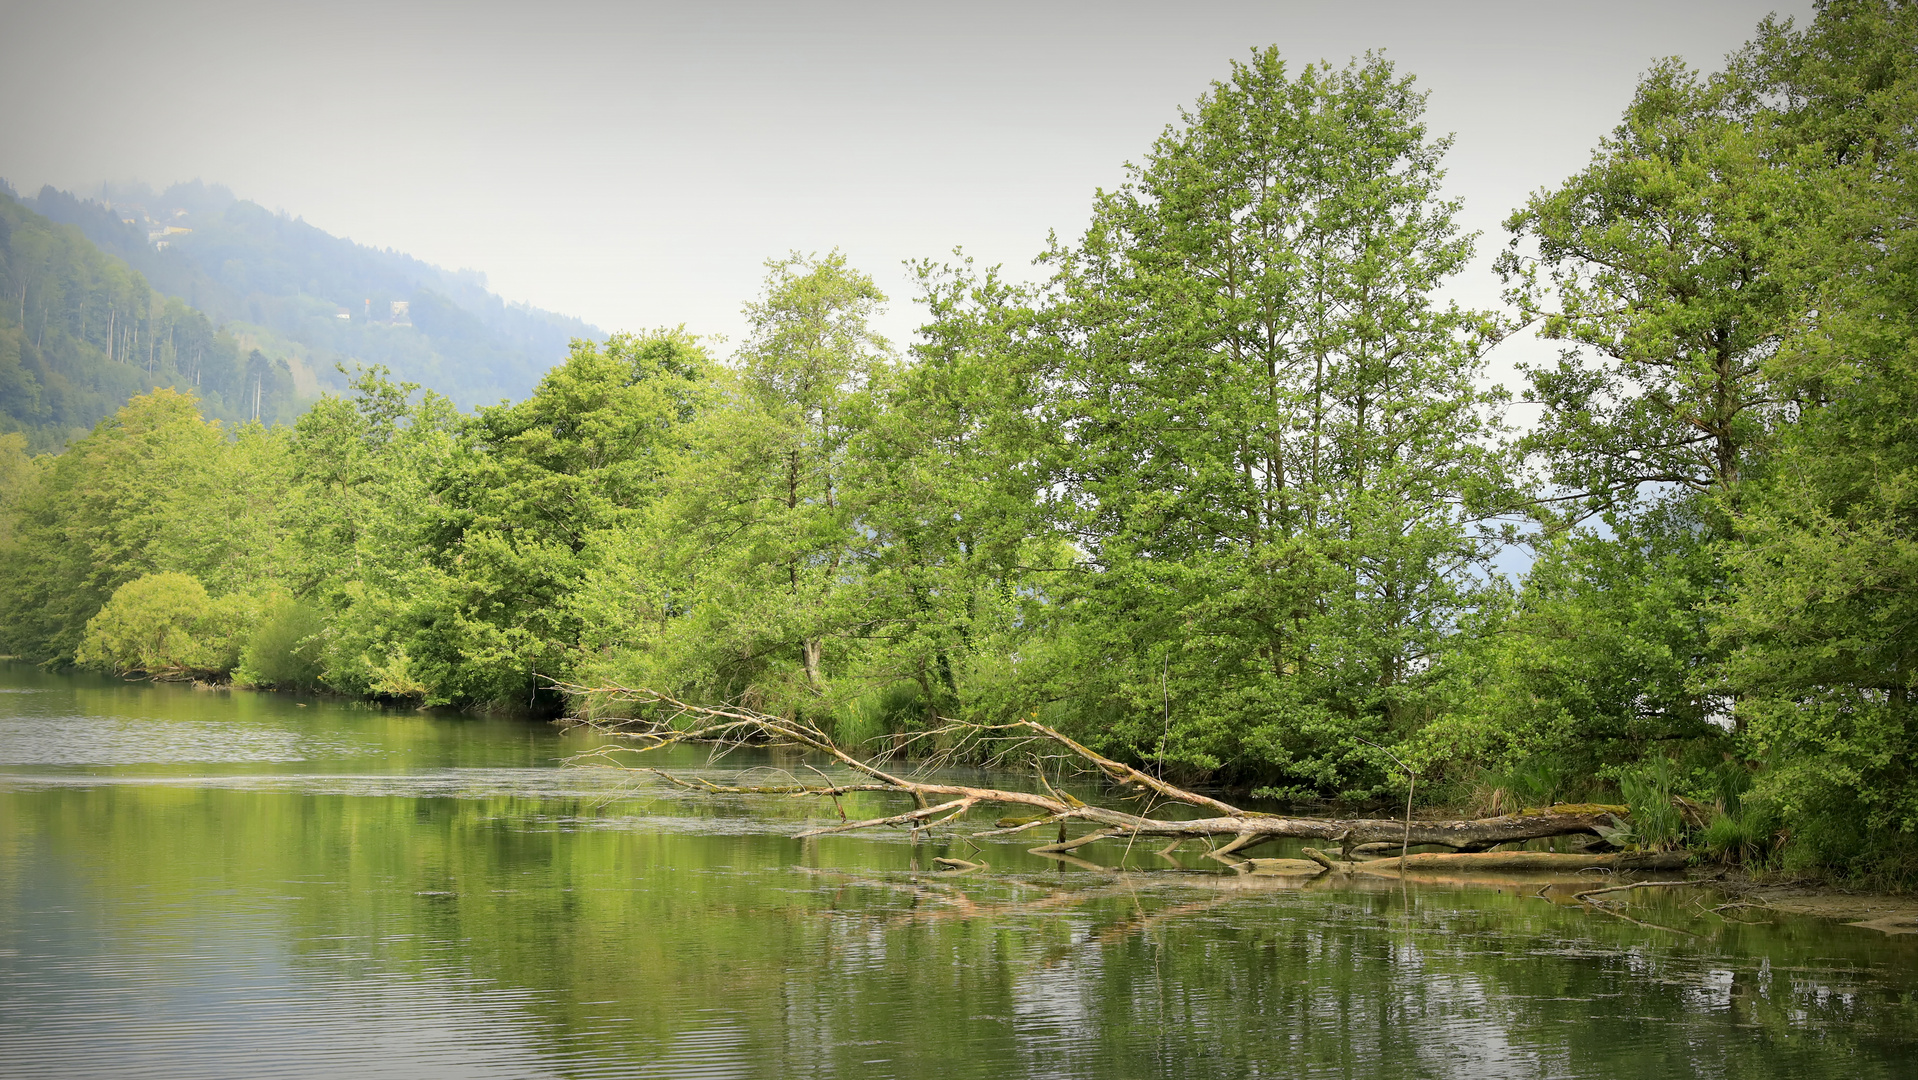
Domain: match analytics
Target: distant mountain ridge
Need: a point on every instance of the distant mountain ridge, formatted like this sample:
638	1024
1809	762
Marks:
81	332
317	300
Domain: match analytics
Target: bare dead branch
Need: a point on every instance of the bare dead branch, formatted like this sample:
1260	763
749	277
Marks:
699	783
912	817
1034	823
674	722
1587	895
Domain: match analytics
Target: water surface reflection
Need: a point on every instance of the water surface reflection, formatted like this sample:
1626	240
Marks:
202	884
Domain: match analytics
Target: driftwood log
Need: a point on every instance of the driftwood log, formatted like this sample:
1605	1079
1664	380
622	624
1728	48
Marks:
1531	862
673	722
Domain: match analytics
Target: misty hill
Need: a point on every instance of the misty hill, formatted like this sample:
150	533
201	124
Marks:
81	332
295	291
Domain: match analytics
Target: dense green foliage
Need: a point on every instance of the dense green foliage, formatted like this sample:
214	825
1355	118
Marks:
80	333
281	649
1222	495
1739	259
1278	454
153	489
1822	615
165	625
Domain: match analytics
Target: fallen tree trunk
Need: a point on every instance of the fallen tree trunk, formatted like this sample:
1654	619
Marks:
942	803
1546	862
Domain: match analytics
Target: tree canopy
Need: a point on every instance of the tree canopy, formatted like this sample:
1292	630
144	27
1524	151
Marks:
1222	497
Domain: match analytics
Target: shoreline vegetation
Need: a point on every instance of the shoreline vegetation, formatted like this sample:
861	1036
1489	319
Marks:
1364	847
1221	500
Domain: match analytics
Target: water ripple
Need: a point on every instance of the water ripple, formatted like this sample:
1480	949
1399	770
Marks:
85	740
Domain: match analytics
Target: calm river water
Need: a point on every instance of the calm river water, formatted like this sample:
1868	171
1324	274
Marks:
210	884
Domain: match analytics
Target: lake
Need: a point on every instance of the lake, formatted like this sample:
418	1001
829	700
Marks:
202	883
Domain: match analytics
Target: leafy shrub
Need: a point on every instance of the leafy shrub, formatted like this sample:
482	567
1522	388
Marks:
1831	829
284	651
165	625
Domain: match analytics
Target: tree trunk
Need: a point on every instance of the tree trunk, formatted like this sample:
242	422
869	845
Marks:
1527	861
940	803
810	651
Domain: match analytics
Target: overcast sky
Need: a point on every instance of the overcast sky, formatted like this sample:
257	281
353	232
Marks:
634	164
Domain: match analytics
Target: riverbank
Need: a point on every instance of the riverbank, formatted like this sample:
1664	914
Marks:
1876	911
1827	899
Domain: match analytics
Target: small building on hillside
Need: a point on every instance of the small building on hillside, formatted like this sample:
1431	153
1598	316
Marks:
158	237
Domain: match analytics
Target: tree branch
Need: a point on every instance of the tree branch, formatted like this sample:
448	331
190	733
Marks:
731	725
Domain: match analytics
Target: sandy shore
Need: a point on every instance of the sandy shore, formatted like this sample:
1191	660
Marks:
1890	914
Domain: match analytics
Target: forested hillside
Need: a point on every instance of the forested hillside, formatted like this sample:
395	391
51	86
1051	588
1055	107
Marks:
1221	497
326	300
80	333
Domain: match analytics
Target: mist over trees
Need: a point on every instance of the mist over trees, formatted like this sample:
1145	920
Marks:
286	284
81	333
252	311
1220	497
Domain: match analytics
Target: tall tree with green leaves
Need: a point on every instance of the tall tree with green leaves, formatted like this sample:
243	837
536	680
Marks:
757	535
1274	452
153	488
538	508
1657	266
811	353
1821	612
1657	262
364	476
947	480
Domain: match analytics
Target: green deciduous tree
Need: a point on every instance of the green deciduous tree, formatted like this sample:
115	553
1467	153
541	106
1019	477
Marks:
541	507
1274	449
364	471
946	481
1739	259
1659	257
758	538
154	488
1658	265
1822	608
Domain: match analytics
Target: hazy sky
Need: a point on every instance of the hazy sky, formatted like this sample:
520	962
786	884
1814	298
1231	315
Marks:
634	164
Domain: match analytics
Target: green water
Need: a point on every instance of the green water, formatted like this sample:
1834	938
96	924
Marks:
205	884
